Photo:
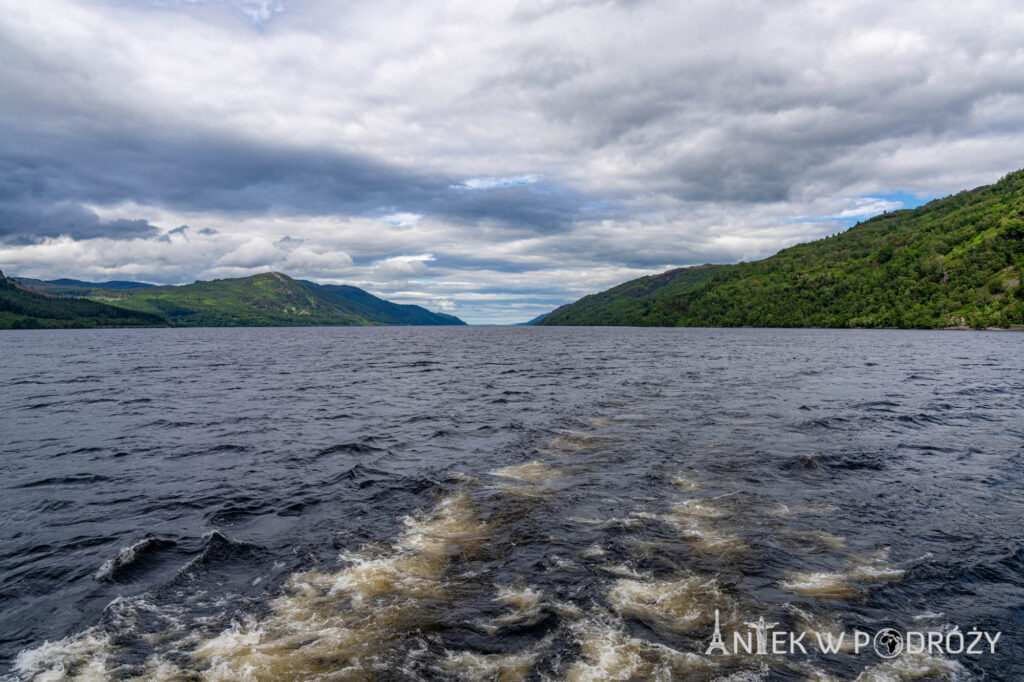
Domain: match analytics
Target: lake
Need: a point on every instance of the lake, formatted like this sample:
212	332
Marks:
505	503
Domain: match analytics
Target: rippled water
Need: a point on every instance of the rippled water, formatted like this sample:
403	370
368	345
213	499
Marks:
504	503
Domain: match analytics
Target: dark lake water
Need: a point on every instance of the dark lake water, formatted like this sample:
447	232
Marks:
505	503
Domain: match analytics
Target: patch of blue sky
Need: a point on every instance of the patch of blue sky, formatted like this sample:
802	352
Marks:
254	12
905	199
864	207
400	218
495	182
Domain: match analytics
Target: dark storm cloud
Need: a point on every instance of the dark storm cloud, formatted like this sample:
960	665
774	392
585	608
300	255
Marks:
25	222
185	231
529	208
198	172
754	109
217	173
593	253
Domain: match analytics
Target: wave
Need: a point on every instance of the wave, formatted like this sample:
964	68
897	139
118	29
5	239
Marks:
361	448
74	479
133	559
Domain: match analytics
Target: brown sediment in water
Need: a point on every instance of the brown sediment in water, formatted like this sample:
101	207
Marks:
913	667
84	657
814	538
594	551
342	624
578	441
685	483
699	521
863	572
525	607
528	480
904	668
699	508
826	625
608	652
786	511
476	667
679	604
532	471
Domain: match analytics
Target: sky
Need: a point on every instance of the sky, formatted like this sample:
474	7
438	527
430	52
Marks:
492	160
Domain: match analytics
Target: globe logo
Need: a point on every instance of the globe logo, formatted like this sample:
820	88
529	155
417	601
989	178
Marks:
888	643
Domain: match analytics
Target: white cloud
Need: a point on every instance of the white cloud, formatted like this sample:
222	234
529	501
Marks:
443	304
401	268
304	259
257	252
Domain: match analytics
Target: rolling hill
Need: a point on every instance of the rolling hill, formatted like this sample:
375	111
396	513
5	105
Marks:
266	299
953	262
378	310
76	287
21	308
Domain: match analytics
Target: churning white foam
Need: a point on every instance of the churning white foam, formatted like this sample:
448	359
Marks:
863	572
700	522
84	657
344	624
533	471
607	652
679	603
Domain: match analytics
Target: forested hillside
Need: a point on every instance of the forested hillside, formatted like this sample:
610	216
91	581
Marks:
956	261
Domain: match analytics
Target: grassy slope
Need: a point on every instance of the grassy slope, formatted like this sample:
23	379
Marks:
23	309
271	299
267	299
630	301
952	262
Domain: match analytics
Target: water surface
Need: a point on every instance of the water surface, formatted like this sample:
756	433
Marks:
503	503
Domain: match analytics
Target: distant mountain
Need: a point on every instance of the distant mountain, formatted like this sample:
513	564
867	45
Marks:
533	321
267	299
378	310
21	308
953	262
76	287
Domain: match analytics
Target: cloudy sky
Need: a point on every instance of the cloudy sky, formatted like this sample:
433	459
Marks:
489	159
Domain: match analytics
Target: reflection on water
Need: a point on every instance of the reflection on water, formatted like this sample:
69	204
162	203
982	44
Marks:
505	504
